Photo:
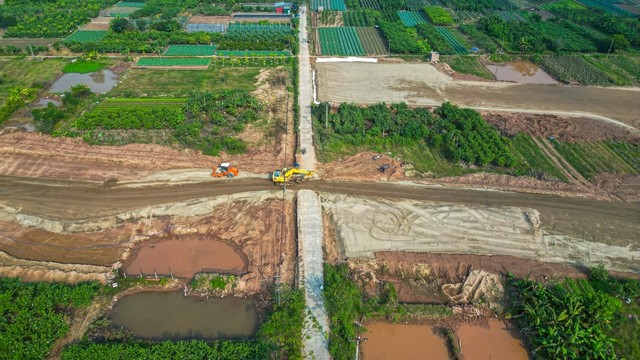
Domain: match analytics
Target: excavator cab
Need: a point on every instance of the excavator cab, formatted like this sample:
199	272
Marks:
225	169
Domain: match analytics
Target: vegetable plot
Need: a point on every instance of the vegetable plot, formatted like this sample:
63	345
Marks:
340	41
333	5
411	18
85	36
459	48
173	62
190	50
371	40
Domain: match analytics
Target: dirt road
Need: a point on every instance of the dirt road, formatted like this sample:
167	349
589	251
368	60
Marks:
422	84
612	223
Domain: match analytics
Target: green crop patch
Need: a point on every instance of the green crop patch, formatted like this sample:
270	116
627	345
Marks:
183	62
190	50
438	15
372	42
411	18
86	36
84	67
251	53
590	159
333	5
130	4
340	41
455	43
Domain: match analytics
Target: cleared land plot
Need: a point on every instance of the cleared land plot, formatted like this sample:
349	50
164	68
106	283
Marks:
372	42
592	158
412	18
24	43
178	62
333	5
25	72
368	225
340	41
86	36
100	23
422	84
179	83
190	50
209	20
455	43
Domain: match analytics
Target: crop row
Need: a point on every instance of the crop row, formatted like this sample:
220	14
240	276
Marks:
131	117
130	4
370	4
210	28
251	53
141	102
372	42
173	61
190	50
86	36
411	18
459	48
333	5
261	62
571	68
509	15
592	158
255	29
340	41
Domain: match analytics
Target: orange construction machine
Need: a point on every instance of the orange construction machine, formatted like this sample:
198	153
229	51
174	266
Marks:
225	169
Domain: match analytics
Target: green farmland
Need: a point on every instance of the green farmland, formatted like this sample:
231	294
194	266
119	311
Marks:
598	157
86	36
186	62
412	18
190	50
340	41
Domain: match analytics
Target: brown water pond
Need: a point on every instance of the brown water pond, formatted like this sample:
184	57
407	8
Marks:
494	342
396	341
524	72
184	258
171	315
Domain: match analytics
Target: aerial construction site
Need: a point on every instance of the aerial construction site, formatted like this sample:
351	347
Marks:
318	191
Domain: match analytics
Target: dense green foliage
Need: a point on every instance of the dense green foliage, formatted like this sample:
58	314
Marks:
459	134
283	327
478	5
435	39
438	15
56	18
34	315
195	349
207	121
573	319
403	40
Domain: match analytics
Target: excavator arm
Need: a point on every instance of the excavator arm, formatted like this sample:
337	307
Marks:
290	175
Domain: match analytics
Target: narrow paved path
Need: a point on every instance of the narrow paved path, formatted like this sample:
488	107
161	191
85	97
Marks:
310	257
305	96
310	231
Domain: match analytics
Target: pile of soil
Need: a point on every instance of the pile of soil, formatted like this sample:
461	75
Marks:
560	127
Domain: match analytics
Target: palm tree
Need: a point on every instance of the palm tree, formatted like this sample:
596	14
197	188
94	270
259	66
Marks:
18	93
92	55
525	45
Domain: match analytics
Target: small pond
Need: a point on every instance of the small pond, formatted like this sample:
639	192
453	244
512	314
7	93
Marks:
43	102
494	342
171	315
99	81
523	72
397	341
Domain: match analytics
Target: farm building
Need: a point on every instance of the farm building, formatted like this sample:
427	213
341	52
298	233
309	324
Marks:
283	7
434	57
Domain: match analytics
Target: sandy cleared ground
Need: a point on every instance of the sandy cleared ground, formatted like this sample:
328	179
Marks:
368	225
422	84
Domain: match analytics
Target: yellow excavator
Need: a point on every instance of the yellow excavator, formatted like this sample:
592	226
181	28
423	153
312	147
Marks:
289	176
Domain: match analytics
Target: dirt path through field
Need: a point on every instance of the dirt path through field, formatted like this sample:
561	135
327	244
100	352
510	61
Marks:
422	84
568	170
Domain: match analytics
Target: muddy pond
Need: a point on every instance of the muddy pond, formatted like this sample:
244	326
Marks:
172	316
523	72
186	257
99	82
386	341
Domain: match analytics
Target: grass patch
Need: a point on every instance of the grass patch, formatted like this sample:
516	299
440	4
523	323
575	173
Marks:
152	61
28	73
83	66
600	157
468	65
178	83
536	160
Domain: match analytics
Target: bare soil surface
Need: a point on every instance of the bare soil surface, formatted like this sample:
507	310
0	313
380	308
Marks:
424	85
562	128
186	255
626	187
365	226
362	167
209	20
98	23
